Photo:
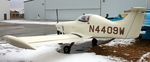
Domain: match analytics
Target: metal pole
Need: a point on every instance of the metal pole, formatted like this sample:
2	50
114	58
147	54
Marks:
57	15
100	7
45	9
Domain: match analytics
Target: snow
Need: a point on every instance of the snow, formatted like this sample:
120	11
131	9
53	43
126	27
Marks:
48	53
90	57
145	58
120	42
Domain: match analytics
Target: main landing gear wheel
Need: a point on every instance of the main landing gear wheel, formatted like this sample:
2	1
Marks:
58	32
67	49
94	42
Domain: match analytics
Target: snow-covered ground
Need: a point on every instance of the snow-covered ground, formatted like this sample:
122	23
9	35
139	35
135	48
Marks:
120	42
48	53
145	58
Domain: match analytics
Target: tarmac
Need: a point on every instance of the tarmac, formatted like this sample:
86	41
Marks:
26	29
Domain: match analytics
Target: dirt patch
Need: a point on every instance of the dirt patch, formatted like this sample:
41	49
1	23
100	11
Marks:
131	52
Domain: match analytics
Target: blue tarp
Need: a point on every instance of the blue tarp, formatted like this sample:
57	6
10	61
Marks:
146	27
147	19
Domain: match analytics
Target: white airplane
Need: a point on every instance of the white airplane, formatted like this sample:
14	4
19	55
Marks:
86	26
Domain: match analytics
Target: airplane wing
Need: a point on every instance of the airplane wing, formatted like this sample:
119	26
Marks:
28	22
31	42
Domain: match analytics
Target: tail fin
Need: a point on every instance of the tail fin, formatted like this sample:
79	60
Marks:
134	21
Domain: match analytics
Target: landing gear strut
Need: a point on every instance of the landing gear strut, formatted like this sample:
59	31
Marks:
67	49
94	42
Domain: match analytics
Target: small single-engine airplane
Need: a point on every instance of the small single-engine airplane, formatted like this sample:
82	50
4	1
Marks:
86	26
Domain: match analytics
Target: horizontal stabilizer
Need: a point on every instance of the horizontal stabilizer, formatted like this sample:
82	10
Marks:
138	9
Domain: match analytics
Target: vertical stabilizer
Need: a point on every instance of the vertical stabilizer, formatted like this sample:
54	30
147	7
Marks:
134	20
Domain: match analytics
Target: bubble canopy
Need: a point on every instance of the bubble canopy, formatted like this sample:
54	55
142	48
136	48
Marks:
84	18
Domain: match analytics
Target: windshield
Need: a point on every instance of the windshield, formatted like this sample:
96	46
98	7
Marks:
84	18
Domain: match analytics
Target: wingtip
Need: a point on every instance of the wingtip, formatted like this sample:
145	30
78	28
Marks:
17	42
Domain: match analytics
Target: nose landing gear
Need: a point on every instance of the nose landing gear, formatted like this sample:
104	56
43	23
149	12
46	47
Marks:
67	49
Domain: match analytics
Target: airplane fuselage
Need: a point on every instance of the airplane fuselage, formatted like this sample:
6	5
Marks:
96	26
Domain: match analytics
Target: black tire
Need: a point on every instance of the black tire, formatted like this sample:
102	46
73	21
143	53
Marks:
140	37
94	42
67	49
58	32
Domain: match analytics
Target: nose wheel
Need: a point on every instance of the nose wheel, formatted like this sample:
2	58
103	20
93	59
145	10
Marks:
67	49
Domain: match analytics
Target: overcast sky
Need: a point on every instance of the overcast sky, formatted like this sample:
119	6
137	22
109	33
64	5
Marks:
17	5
